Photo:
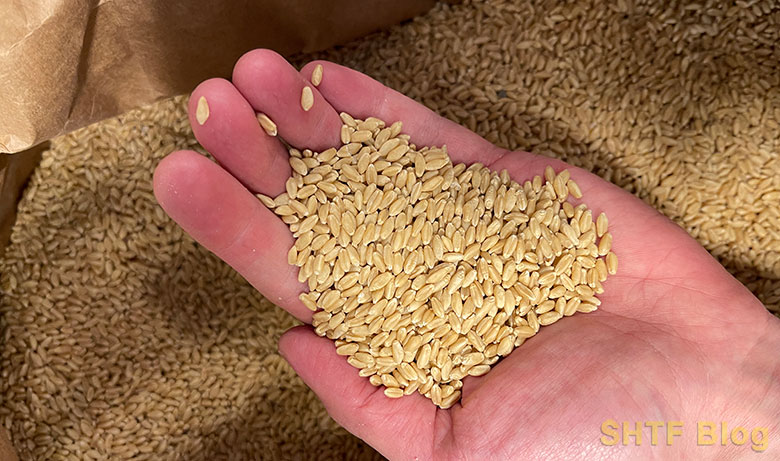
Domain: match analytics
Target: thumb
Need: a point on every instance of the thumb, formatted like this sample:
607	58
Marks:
400	428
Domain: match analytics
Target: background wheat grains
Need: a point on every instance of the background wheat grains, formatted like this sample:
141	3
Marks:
121	338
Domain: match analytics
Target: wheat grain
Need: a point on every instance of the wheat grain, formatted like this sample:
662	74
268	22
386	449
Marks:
601	225
316	75
202	111
268	125
612	263
307	98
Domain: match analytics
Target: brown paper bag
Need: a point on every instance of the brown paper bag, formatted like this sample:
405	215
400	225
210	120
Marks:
14	171
6	451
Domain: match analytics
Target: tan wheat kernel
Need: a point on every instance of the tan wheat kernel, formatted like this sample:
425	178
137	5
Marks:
202	111
307	98
316	75
268	125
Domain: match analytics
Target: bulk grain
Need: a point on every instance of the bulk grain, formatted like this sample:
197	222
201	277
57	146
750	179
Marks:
424	272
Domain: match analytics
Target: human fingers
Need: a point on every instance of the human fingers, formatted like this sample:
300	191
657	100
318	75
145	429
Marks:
217	211
225	124
272	86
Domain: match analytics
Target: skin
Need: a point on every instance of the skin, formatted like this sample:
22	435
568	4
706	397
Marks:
676	338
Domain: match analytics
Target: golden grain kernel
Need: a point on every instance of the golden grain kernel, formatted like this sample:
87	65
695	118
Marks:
601	225
307	98
612	263
316	75
605	244
267	124
202	111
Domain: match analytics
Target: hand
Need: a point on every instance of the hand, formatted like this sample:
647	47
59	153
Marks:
676	338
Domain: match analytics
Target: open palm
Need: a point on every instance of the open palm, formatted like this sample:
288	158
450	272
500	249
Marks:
675	339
